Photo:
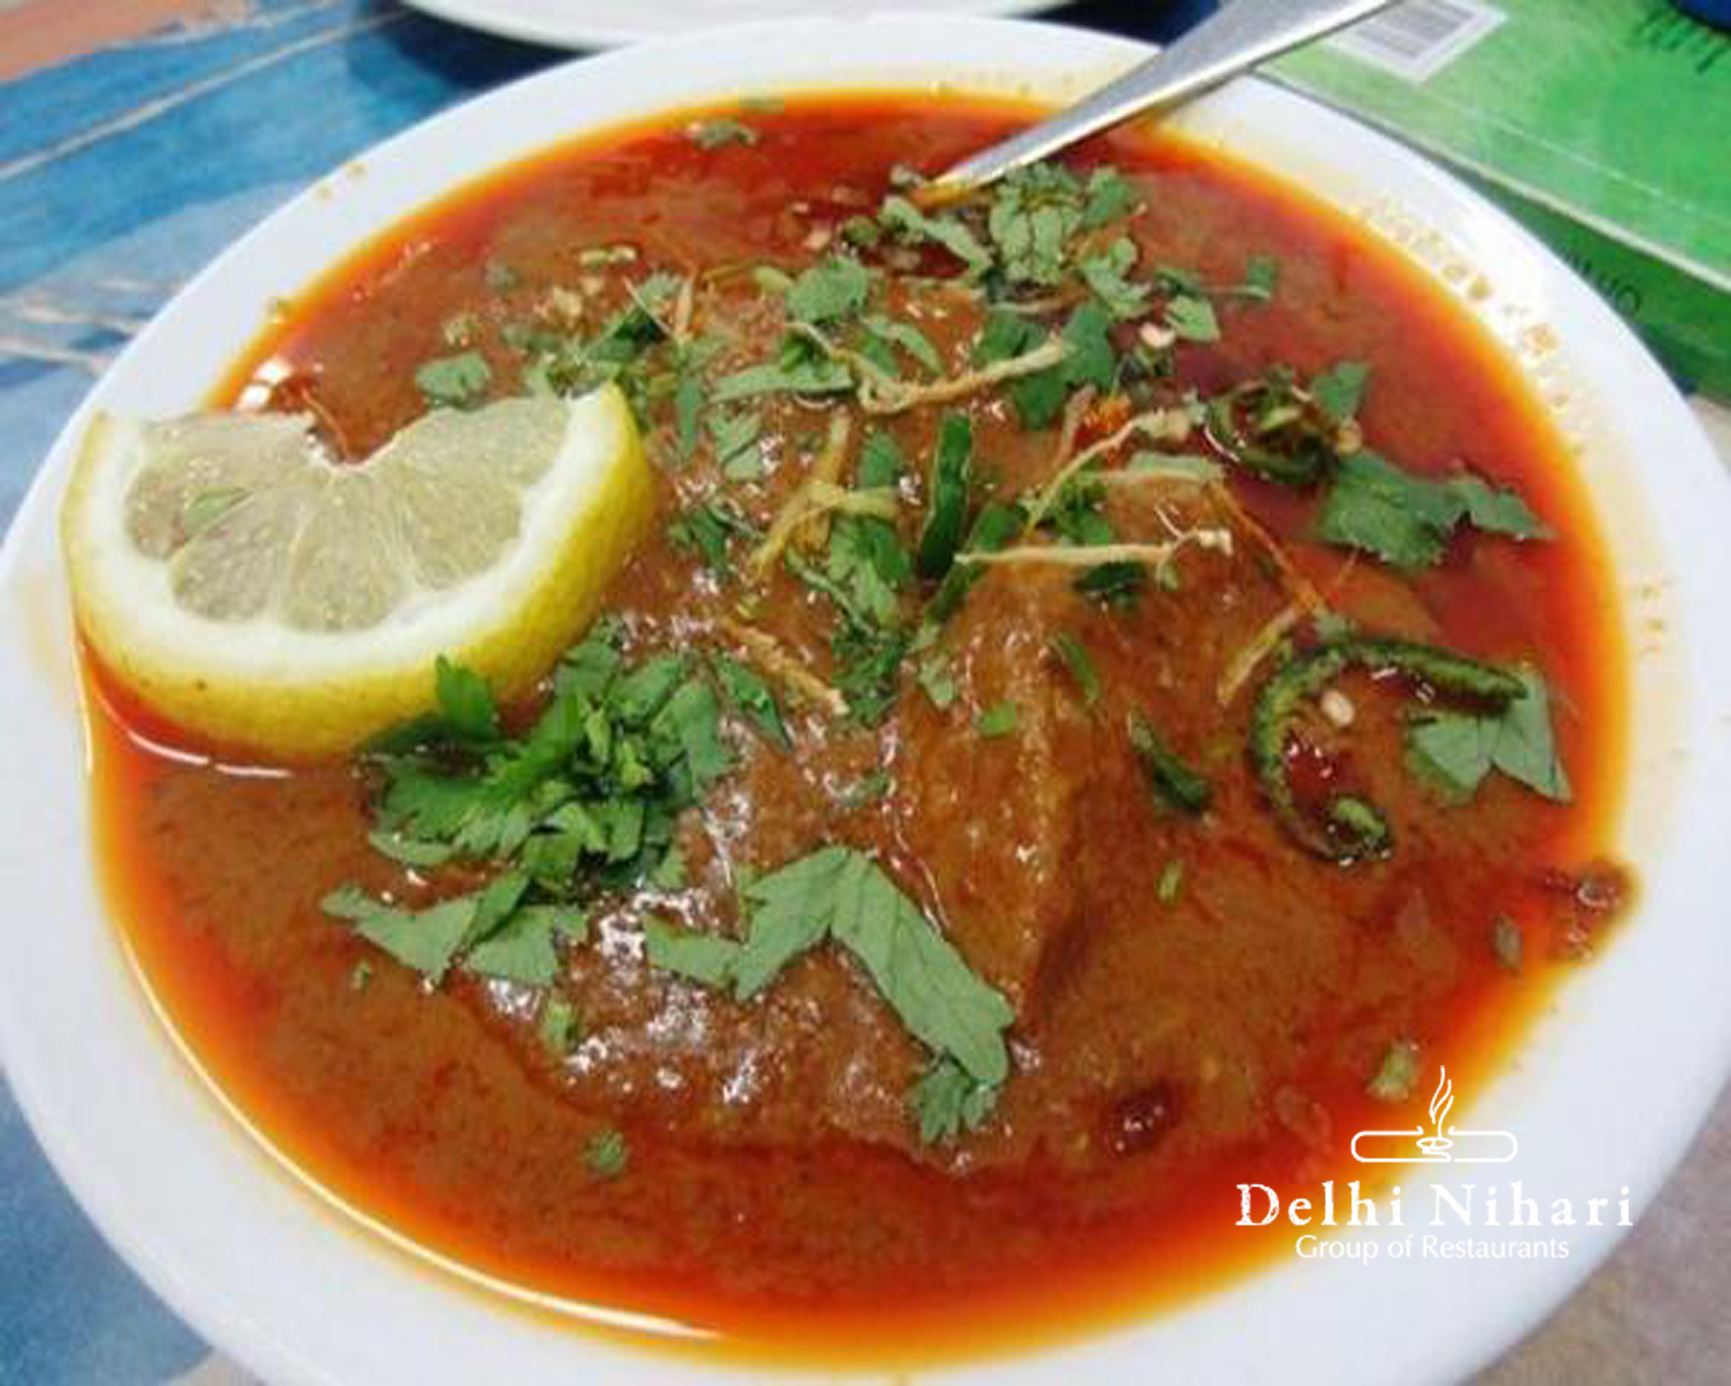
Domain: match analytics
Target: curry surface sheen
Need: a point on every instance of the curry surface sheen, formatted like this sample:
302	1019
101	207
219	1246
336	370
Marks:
1198	1001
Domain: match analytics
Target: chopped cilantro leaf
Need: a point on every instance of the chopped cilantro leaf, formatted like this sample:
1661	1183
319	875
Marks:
1192	318
691	720
1407	520
734	435
948	1102
938	679
1507	943
1109	195
1033	215
999	719
996	527
1113	585
1397	1075
522	949
833	288
586	797
1039	398
705	529
1106	274
1375	506
862	231
670	874
465	703
557	1025
906	336
751	696
720	130
880	460
687	410
409	851
706	959
841	893
901	216
1261	278
457	381
1339	391
425	940
868	564
1496	511
800	368
1454	750
606	1154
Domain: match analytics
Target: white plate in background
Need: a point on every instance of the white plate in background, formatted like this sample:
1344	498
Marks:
610	23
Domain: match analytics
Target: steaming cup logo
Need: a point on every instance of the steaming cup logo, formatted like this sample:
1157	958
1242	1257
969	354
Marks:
1439	1146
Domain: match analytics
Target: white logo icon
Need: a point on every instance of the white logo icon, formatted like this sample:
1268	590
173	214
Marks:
1438	1148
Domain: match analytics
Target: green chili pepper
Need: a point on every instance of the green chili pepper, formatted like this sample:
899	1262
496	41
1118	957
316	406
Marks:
1353	828
947	512
1172	779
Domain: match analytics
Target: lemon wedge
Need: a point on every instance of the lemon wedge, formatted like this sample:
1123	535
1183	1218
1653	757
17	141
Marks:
256	593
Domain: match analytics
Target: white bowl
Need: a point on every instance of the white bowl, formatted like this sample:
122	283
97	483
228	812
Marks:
1605	1092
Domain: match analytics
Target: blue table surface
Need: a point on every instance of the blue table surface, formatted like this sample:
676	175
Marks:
122	173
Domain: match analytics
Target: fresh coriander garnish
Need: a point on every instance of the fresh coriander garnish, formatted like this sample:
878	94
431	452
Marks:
840	894
1034	212
938	679
1339	391
1454	750
606	1154
1397	1075
902	218
458	381
721	130
1107	275
949	1102
834	288
1507	943
1193	319
707	959
997	720
749	694
1261	278
1407	520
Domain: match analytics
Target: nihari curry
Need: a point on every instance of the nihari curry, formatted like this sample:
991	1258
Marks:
1118	690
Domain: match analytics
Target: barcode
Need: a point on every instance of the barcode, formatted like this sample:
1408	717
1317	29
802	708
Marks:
1417	39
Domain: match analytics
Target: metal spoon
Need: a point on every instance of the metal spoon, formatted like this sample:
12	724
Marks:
1238	36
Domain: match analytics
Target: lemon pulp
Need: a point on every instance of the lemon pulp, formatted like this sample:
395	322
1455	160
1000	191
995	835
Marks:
258	594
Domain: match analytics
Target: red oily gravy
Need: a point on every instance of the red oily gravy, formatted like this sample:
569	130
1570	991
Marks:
1172	1039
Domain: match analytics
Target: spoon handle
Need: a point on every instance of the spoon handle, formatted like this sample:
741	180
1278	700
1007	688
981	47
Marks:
1239	35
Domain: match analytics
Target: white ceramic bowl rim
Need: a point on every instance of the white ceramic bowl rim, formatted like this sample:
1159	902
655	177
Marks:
1607	1090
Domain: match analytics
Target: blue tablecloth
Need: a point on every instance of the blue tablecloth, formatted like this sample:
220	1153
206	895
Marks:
121	173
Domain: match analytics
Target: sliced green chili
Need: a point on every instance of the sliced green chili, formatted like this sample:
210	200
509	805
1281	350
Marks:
947	506
1170	777
1351	828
